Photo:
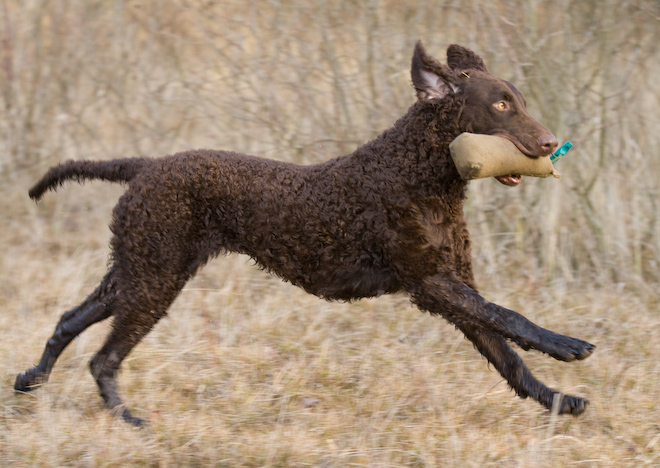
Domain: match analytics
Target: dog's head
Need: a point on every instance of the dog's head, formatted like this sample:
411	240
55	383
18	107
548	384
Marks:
491	105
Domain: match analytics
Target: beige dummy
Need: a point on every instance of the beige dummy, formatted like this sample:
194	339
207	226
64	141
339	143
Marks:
477	156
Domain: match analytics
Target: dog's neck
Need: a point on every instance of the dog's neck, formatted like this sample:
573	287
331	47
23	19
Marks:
416	150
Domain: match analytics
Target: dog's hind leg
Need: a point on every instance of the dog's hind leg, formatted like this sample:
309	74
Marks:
498	352
144	299
128	331
97	307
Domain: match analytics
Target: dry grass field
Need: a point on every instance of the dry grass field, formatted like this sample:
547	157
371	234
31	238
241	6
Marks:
247	371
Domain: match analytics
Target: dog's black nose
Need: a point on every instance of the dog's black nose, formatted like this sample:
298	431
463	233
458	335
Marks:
548	143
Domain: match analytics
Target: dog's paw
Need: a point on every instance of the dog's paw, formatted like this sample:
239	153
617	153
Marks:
572	405
568	349
129	418
29	380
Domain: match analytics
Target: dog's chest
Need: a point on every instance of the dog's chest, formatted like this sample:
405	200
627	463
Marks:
435	222
431	236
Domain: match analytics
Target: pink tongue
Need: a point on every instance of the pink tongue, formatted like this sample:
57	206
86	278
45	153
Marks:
510	180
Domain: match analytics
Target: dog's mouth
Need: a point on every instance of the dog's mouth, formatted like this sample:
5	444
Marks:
514	179
511	180
522	148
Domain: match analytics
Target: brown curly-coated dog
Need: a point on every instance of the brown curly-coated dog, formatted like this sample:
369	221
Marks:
387	218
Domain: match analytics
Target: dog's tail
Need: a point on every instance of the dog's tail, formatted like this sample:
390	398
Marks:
117	170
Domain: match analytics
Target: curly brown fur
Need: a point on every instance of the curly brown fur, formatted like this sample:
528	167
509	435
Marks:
121	170
386	218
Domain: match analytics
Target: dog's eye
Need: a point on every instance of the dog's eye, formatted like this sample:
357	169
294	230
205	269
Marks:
501	105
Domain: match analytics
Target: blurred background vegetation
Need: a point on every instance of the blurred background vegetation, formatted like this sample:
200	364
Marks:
309	80
225	377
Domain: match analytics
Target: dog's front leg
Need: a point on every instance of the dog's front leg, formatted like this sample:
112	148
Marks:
488	325
510	366
445	295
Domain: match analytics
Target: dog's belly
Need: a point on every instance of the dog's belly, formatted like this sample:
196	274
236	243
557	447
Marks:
332	279
345	285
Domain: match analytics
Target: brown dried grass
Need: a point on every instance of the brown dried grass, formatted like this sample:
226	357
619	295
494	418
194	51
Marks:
247	371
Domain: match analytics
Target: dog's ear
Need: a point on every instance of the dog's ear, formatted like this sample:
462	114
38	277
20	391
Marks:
431	79
459	58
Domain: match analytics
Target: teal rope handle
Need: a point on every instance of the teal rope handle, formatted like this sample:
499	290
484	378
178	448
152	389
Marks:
554	157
